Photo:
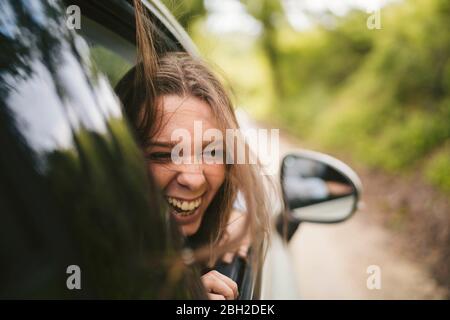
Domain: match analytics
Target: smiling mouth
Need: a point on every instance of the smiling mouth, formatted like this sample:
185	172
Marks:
184	207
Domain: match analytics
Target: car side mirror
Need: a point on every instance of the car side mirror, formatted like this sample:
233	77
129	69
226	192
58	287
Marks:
318	188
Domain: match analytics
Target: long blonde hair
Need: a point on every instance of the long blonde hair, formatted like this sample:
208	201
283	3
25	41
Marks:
178	73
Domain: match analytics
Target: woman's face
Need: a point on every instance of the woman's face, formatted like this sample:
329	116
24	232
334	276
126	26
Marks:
188	188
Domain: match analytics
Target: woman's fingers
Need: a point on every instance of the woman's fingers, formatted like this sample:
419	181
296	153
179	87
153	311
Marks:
213	296
217	283
228	257
243	251
230	283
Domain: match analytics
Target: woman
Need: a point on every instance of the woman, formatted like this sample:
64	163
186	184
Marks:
176	91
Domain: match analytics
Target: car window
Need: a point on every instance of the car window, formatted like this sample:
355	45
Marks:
113	48
109	29
110	53
108	62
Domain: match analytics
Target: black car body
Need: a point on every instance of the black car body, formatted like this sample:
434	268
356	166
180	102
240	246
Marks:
73	188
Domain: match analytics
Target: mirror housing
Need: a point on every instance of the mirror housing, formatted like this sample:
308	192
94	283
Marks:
318	188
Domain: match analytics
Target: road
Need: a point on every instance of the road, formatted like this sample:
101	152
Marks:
331	261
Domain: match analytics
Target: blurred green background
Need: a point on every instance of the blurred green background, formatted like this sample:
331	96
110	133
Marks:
316	70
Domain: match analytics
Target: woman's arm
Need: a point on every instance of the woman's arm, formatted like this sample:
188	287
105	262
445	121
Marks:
235	228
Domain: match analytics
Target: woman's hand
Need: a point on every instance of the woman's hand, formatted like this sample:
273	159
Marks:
235	228
219	287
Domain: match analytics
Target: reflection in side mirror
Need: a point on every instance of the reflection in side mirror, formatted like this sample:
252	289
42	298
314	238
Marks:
318	188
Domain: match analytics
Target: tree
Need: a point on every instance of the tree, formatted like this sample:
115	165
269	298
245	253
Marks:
186	11
267	12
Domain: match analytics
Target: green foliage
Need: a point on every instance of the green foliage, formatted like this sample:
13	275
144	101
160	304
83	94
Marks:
381	95
240	62
325	56
186	11
437	170
108	62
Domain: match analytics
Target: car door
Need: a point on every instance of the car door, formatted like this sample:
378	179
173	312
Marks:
79	216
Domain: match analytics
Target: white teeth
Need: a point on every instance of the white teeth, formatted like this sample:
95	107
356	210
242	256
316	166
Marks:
188	206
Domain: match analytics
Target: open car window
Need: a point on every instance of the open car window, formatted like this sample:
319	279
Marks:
110	53
108	28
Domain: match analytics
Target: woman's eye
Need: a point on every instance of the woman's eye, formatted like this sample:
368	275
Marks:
159	156
212	153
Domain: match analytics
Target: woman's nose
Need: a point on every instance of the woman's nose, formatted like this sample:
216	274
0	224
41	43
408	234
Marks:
192	178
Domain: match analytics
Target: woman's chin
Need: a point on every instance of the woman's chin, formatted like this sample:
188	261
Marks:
189	225
189	230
